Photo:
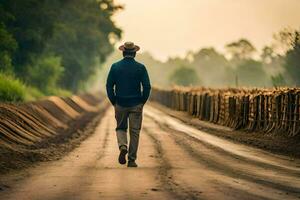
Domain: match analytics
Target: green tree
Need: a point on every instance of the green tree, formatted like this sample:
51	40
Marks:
211	66
283	40
251	73
82	35
185	76
8	46
272	62
292	60
81	32
241	49
46	73
278	80
267	55
31	26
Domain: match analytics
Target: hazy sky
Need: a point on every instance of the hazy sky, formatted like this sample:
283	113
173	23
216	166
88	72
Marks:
173	27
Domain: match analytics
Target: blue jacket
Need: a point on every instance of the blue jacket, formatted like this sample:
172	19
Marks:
128	83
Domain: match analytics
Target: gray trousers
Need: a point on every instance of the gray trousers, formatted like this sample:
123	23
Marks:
134	116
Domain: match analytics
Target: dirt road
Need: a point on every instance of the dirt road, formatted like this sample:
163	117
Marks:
176	161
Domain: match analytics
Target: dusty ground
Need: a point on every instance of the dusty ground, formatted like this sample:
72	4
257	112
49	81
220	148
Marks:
19	157
276	143
176	161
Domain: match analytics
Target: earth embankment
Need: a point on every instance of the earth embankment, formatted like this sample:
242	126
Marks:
45	129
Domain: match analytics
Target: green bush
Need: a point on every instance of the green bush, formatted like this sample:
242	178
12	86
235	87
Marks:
45	73
33	94
58	92
11	89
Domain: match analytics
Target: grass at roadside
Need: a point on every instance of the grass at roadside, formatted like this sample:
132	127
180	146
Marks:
14	90
11	89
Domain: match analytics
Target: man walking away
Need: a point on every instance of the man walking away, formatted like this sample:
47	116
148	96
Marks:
124	91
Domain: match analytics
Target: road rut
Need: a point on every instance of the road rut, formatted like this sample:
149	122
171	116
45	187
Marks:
176	161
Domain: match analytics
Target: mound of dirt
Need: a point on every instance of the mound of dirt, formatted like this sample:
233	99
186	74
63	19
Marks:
46	129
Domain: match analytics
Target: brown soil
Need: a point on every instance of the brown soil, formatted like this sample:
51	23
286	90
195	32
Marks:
275	143
45	130
176	161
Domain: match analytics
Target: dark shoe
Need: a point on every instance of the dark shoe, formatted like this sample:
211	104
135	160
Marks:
122	156
131	164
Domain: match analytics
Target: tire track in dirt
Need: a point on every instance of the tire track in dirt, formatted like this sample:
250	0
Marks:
62	179
165	174
90	168
87	173
232	172
236	148
209	160
172	165
115	181
189	180
231	155
105	142
91	172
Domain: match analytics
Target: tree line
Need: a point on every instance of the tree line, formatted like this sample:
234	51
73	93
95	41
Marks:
241	64
55	45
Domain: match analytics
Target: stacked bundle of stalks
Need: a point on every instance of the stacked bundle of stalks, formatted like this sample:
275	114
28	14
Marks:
274	110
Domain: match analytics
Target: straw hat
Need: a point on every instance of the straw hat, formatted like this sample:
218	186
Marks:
129	47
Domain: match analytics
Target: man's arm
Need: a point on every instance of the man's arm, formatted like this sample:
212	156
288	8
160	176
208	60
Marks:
110	83
146	85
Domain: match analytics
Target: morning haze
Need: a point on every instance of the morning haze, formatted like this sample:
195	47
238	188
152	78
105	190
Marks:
209	109
171	28
213	43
